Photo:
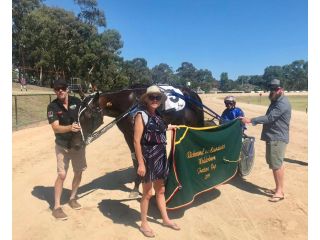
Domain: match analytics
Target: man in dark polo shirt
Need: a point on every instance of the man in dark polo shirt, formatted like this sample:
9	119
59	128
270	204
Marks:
275	133
62	115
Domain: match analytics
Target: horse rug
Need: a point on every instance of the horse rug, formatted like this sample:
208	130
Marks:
201	159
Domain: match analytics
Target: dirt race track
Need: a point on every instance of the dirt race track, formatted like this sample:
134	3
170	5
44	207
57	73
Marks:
236	210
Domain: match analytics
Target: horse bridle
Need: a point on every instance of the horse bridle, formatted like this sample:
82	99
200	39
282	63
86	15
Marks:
87	106
93	136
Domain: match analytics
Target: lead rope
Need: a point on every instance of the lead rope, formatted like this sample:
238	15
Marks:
98	133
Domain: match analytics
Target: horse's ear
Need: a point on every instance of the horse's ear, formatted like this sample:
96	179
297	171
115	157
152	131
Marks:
96	96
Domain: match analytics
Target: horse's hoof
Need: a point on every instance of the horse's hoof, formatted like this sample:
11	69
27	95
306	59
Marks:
134	194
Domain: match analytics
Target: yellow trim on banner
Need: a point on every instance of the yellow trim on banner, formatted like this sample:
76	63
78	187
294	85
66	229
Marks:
198	128
183	136
193	128
227	160
195	195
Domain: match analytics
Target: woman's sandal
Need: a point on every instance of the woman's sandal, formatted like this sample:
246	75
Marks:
276	198
173	226
147	233
269	191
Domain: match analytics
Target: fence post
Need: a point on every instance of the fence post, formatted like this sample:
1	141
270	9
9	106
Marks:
15	125
16	110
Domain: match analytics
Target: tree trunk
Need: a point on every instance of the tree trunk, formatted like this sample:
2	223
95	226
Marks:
40	77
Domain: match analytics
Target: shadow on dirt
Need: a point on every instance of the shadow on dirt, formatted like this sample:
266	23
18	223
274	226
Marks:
117	210
244	185
289	160
120	213
115	180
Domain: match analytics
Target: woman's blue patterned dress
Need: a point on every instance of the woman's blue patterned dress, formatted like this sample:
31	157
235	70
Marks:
153	145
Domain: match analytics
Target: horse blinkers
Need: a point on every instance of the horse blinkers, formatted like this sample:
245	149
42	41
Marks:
90	116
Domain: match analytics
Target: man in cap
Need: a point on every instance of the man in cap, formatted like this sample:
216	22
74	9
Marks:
62	115
275	133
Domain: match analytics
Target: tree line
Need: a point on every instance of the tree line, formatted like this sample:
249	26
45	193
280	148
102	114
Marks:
50	43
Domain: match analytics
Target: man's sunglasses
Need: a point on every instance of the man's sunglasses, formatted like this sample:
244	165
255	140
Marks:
274	89
57	89
154	97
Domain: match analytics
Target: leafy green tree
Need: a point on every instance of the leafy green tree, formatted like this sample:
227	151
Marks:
52	42
204	75
90	13
101	62
296	75
272	72
224	85
293	76
204	79
55	42
137	72
249	83
305	82
20	10
187	73
243	80
162	74
258	81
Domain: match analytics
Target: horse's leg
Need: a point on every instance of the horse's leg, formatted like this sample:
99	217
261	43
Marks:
191	119
126	128
135	191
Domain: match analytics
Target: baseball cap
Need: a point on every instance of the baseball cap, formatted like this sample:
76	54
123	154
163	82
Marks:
60	83
274	84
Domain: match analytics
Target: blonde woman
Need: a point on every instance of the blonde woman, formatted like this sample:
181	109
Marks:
150	150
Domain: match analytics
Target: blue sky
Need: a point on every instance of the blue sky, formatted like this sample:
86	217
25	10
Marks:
237	37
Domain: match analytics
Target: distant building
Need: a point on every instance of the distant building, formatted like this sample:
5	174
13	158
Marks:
199	91
214	90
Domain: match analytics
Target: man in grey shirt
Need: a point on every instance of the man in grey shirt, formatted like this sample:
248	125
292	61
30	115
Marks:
275	133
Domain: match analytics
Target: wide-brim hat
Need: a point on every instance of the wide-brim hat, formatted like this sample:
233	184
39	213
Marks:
153	90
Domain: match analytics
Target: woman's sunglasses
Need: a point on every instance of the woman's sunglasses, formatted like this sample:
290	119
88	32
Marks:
57	89
154	97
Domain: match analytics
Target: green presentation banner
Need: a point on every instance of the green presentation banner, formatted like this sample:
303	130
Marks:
201	159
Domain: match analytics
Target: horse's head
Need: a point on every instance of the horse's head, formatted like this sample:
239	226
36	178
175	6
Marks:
116	103
90	117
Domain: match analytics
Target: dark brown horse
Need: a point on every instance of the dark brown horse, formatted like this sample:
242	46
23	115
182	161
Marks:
115	104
